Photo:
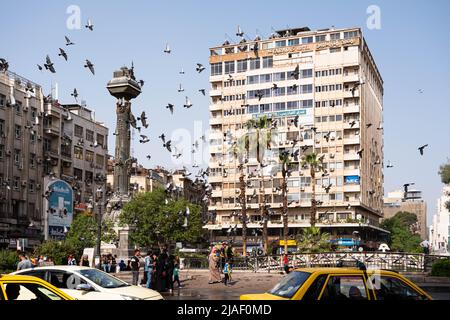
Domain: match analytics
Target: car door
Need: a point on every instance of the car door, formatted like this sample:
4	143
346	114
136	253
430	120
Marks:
345	287
393	288
67	282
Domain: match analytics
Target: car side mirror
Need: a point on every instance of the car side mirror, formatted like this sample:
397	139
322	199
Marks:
84	287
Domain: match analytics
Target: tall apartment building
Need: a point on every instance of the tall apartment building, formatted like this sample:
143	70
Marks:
410	201
440	229
21	104
339	92
75	149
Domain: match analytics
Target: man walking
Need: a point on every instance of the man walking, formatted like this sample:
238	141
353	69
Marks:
148	268
135	264
24	263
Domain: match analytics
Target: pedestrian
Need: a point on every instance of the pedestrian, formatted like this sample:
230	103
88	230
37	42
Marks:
227	273
84	262
122	265
161	272
24	263
128	267
230	254
286	263
71	260
135	265
170	265
148	269
214	264
223	255
113	268
176	275
41	261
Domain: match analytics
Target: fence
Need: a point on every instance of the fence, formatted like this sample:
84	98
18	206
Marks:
405	262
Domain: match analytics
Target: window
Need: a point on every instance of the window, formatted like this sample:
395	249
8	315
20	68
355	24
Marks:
335	36
78	174
229	67
279	106
78	152
280	43
267	62
306	103
307	40
306	88
241	65
255	63
18	131
334	50
64	280
345	288
265	78
17	157
31	186
32	160
89	156
293	42
100	140
350	34
279	76
89	135
292	90
100	160
33	113
291	105
266	107
2	127
78	131
32	136
18	107
390	288
253	109
280	91
252	79
307	73
216	69
2	100
321	38
315	288
290	284
16	183
29	291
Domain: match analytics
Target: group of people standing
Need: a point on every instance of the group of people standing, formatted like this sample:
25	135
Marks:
221	262
161	270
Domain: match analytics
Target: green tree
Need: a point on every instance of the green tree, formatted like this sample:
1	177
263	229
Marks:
83	232
156	219
444	172
311	240
8	260
57	250
403	239
313	162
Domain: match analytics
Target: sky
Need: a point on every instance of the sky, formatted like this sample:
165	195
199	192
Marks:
410	48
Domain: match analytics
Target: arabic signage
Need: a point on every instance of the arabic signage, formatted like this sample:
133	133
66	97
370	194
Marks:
289	113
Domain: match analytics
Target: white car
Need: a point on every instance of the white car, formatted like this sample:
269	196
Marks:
85	283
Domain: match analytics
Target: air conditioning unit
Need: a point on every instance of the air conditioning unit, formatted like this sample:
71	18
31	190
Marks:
24	183
25	109
331	155
331	169
38	186
39	137
8	152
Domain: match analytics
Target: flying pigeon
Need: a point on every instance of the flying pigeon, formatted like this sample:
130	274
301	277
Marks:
180	88
202	91
421	149
89	25
167	49
68	42
200	68
90	66
168	145
49	65
62	53
170	107
188	103
143	119
74	94
239	32
4	65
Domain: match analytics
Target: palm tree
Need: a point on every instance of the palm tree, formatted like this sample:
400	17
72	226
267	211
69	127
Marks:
285	161
311	240
312	161
262	129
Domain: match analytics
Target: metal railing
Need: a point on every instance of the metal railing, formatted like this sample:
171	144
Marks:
404	262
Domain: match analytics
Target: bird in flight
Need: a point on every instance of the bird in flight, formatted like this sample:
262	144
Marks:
74	93
49	65
188	103
356	86
389	165
295	121
170	107
259	94
141	83
39	67
149	157
90	66
143	119
406	185
368	125
167	49
420	90
62	53
180	88
168	145
239	32
199	68
352	123
89	25
144	139
203	91
295	74
360	152
421	149
68	42
4	65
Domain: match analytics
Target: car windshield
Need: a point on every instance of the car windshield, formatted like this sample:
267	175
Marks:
289	285
103	279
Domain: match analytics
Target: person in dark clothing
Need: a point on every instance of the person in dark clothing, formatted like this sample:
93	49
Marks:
135	265
230	255
122	265
170	265
161	272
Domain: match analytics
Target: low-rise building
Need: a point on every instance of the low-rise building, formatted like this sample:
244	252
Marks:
440	229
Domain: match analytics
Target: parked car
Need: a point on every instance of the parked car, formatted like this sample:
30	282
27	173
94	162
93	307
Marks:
86	283
342	284
20	287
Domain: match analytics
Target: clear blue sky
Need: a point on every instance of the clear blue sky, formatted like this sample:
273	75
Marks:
411	50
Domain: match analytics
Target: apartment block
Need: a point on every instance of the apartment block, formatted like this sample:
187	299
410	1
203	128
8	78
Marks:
440	228
337	97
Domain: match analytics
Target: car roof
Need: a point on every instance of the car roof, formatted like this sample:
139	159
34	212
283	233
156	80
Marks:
344	270
61	267
17	277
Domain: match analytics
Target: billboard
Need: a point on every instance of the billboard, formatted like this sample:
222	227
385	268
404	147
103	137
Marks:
59	208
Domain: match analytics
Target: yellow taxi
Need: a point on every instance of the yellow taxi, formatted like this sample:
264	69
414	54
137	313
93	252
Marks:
342	284
18	287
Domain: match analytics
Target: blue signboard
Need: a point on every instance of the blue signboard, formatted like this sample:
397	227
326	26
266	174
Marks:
60	208
289	113
351	180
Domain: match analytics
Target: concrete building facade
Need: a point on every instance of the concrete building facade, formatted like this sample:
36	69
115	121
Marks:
440	229
337	97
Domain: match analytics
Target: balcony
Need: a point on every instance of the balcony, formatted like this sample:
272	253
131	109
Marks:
349	94
217	178
351	156
215	92
348	126
351	77
216	193
215	120
351	140
52	130
351	109
351	172
352	188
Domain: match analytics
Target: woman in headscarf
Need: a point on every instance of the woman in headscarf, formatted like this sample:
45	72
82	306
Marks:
214	274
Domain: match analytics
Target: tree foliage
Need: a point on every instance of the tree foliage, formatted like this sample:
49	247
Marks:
403	239
154	222
83	232
312	240
8	260
444	172
57	250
